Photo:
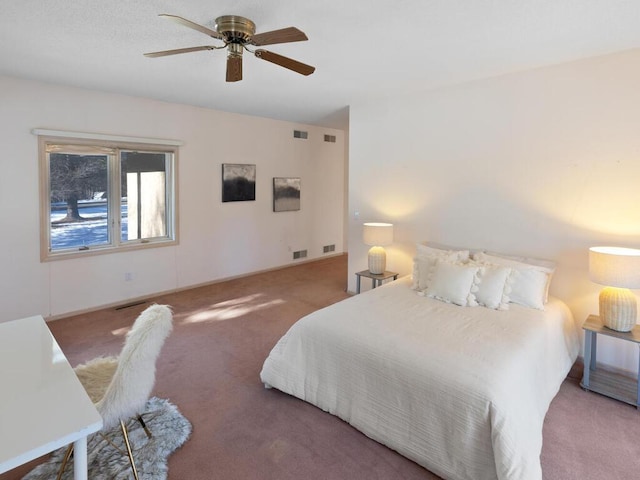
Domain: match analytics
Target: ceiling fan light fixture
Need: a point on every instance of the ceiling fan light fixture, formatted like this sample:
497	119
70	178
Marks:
237	33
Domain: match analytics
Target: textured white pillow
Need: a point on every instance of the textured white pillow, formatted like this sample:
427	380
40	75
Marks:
529	283
425	261
455	255
454	283
538	262
423	269
494	286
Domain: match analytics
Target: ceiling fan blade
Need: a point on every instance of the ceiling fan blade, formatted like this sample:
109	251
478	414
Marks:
285	62
190	24
284	35
234	68
164	53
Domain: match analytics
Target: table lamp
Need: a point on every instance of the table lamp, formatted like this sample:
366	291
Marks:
376	235
619	270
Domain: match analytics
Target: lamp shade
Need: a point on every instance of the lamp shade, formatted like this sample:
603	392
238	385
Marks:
615	266
377	234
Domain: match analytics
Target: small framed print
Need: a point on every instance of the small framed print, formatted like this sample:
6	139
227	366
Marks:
286	194
238	182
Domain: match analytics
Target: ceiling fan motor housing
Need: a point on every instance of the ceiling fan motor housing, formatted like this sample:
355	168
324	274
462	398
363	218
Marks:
235	29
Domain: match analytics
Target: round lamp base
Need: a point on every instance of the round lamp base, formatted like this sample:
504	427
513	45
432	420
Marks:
377	260
618	309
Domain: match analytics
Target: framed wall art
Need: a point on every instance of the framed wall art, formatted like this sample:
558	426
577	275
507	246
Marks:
238	182
286	194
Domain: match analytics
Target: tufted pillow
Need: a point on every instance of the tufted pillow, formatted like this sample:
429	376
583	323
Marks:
494	286
425	261
529	283
454	283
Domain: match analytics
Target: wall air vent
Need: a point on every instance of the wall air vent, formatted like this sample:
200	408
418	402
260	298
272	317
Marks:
330	138
300	134
329	248
299	254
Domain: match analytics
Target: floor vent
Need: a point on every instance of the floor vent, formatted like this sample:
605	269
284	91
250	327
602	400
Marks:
330	138
300	134
129	305
299	254
329	248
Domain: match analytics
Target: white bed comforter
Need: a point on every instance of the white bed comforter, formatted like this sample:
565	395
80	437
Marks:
462	391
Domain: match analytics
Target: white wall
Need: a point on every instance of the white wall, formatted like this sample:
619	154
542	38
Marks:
217	240
544	163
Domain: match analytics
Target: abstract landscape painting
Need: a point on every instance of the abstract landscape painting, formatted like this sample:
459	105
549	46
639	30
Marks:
286	194
238	182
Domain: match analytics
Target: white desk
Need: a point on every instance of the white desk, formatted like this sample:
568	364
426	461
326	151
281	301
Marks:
43	405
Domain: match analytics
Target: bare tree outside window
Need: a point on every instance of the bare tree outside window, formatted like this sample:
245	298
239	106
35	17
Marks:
74	178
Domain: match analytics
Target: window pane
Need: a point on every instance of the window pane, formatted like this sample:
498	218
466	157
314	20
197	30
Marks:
144	194
79	208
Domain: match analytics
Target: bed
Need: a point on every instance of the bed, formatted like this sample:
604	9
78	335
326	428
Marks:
461	390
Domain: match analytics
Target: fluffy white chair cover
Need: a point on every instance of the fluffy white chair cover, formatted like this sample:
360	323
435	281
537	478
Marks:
121	386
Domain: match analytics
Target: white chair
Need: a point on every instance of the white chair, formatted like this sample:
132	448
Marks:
120	386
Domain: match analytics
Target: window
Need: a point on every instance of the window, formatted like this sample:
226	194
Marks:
101	196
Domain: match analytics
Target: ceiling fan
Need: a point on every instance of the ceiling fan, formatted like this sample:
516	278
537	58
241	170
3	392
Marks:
238	33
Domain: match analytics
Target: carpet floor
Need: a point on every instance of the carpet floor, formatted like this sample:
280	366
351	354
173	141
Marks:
209	368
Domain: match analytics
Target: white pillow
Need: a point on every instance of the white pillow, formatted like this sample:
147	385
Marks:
529	283
456	255
423	269
494	286
538	262
454	283
425	261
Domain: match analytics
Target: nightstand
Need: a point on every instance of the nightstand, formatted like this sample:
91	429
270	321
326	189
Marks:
614	385
376	278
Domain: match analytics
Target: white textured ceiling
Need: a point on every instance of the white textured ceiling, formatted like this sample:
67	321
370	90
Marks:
360	48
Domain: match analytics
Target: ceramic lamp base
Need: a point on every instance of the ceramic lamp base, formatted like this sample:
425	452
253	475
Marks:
618	308
377	260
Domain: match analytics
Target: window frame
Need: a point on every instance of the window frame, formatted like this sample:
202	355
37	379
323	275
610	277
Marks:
115	145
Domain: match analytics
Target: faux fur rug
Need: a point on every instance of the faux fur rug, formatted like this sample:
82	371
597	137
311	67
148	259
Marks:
169	431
